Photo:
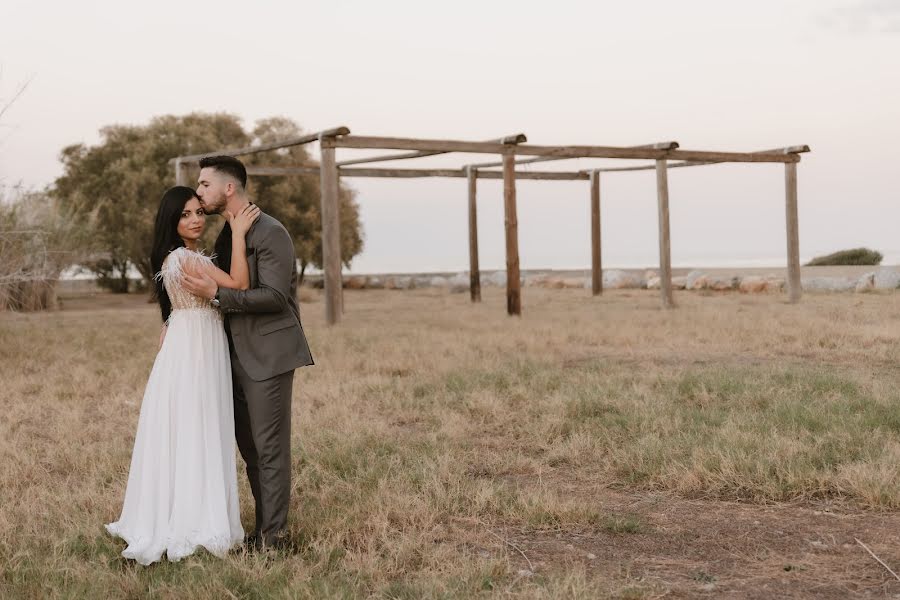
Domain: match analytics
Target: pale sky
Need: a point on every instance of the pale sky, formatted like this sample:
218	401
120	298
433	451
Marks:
712	75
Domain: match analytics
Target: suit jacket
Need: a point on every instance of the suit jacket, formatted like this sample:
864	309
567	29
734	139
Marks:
263	322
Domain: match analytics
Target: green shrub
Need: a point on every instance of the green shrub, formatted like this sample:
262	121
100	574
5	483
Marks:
855	256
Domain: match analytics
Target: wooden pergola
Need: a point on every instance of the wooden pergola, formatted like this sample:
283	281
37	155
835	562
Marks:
665	156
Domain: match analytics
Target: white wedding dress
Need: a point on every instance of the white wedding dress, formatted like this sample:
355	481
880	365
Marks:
182	486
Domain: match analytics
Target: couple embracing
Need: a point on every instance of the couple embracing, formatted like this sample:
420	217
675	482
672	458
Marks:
224	372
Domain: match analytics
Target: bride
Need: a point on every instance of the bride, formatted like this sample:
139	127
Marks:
182	485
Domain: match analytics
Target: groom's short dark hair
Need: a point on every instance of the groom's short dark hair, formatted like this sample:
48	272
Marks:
228	165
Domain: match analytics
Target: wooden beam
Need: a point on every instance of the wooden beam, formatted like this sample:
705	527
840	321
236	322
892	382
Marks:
526	161
596	264
296	141
474	271
511	221
181	173
512	139
331	237
522	161
665	252
561	151
371	159
415	173
697	163
793	232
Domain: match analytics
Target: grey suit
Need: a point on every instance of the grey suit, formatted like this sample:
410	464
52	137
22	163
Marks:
267	343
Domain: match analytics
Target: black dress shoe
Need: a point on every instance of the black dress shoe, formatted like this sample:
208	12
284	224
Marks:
251	540
276	542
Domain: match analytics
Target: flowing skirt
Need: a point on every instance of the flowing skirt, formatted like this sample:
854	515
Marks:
182	486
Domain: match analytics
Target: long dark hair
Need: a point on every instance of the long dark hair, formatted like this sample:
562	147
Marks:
166	238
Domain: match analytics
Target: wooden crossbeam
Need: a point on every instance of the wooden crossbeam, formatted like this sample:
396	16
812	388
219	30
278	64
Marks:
526	161
515	138
351	141
297	141
415	173
697	163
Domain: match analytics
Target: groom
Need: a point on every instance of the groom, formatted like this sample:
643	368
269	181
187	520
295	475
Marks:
266	342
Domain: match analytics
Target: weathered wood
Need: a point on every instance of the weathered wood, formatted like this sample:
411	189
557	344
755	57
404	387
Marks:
509	139
516	138
416	173
596	263
386	157
511	221
521	161
793	232
181	173
331	237
526	161
296	141
561	151
665	252
697	163
474	271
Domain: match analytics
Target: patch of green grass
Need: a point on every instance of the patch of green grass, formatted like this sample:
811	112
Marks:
624	524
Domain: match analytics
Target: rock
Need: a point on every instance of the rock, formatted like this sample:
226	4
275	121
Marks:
619	280
722	284
591	556
753	284
828	284
355	283
776	284
403	283
654	283
887	279
696	280
866	282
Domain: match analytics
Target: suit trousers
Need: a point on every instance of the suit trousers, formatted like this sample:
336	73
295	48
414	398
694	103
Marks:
262	425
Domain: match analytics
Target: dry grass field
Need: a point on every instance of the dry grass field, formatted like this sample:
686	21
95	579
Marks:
733	448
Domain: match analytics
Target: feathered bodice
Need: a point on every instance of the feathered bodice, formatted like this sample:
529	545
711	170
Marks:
173	266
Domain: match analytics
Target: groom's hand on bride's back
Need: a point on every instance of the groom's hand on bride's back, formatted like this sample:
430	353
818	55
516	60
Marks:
200	284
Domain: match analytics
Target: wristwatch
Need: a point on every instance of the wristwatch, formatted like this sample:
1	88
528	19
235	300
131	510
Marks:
215	300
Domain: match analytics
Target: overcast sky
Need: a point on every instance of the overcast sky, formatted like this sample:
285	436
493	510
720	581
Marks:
712	75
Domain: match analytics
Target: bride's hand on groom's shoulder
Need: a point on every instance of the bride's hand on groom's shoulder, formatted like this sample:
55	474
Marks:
241	222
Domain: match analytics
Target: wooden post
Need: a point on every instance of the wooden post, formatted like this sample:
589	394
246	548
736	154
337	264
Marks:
474	272
513	286
180	173
665	253
331	233
793	232
596	262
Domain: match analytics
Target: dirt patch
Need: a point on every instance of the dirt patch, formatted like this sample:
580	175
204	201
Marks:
677	548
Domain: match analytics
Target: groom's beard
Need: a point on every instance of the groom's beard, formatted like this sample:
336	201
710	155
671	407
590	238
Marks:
214	208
